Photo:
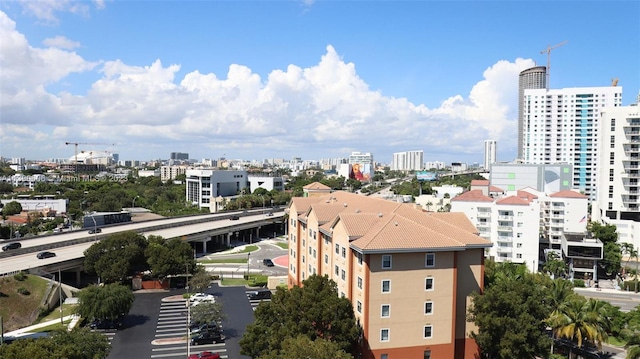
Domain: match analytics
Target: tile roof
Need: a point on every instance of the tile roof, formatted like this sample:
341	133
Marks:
513	200
495	189
479	182
375	224
316	186
568	194
472	196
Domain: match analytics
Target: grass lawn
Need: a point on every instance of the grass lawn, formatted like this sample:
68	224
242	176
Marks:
230	260
56	326
283	245
67	309
248	249
19	310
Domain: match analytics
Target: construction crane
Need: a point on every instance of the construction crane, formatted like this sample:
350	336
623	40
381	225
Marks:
548	51
83	143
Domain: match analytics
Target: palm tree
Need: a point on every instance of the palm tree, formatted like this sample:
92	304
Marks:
633	347
560	293
579	320
429	204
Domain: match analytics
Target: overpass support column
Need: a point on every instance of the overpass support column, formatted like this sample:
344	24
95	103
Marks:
78	277
229	240
258	233
204	245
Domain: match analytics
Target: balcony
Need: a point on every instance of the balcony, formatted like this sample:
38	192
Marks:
483	215
505	228
505	218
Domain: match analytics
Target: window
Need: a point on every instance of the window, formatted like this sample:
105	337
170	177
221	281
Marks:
428	331
359	307
359	282
337	248
302	259
386	286
386	261
428	284
384	356
427	354
310	232
385	311
430	260
314	253
384	335
326	259
310	249
337	270
428	307
359	255
343	274
344	252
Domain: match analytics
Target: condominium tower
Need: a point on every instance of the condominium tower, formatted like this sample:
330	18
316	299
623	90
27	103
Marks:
490	154
562	126
408	161
533	78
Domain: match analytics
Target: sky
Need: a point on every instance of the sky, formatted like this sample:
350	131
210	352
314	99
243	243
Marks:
280	79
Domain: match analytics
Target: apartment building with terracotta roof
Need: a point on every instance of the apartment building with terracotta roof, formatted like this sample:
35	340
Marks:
408	273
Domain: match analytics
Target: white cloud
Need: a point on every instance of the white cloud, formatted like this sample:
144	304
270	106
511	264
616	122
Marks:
61	42
320	111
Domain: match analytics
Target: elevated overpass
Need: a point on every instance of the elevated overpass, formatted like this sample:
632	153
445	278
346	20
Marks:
201	230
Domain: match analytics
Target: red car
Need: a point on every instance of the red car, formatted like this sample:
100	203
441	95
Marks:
205	355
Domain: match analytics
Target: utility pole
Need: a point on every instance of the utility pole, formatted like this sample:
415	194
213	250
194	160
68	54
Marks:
548	52
60	294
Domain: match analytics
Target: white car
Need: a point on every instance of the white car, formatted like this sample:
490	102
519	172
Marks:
198	298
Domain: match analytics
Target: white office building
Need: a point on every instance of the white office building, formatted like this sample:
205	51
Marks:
267	183
490	154
207	188
618	199
408	161
562	126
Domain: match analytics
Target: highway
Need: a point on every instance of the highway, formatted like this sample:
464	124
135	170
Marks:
70	246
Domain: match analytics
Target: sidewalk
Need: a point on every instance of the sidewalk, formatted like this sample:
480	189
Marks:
34	328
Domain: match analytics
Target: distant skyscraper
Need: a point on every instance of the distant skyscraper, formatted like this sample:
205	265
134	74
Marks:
563	126
533	78
408	161
490	155
179	156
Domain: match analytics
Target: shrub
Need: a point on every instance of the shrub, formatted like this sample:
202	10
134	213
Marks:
23	291
578	283
20	276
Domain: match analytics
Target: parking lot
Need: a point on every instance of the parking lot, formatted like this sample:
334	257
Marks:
157	328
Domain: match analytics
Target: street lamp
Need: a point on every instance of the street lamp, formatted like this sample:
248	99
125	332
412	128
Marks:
248	264
134	203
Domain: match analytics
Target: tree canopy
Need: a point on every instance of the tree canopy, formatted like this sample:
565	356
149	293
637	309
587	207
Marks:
314	310
303	347
80	343
168	257
117	256
11	208
207	312
109	301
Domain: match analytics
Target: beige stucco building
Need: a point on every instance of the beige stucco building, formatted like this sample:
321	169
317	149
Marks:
408	273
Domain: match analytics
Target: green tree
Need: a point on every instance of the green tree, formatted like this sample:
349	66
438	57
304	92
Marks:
554	265
303	347
580	320
314	310
168	257
79	343
117	256
6	187
109	301
510	316
11	208
207	312
200	279
559	293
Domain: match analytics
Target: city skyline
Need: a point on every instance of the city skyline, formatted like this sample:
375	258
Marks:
257	80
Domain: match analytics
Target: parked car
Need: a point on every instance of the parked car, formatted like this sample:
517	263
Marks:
201	298
210	327
268	262
205	355
234	218
269	214
196	325
96	230
259	294
43	255
12	245
207	338
105	324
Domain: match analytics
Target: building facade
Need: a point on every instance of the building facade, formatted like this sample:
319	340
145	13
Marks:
490	154
543	178
205	187
618	199
562	126
169	173
408	161
268	183
532	78
408	273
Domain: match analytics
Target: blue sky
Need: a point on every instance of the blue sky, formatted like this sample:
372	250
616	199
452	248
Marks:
278	79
